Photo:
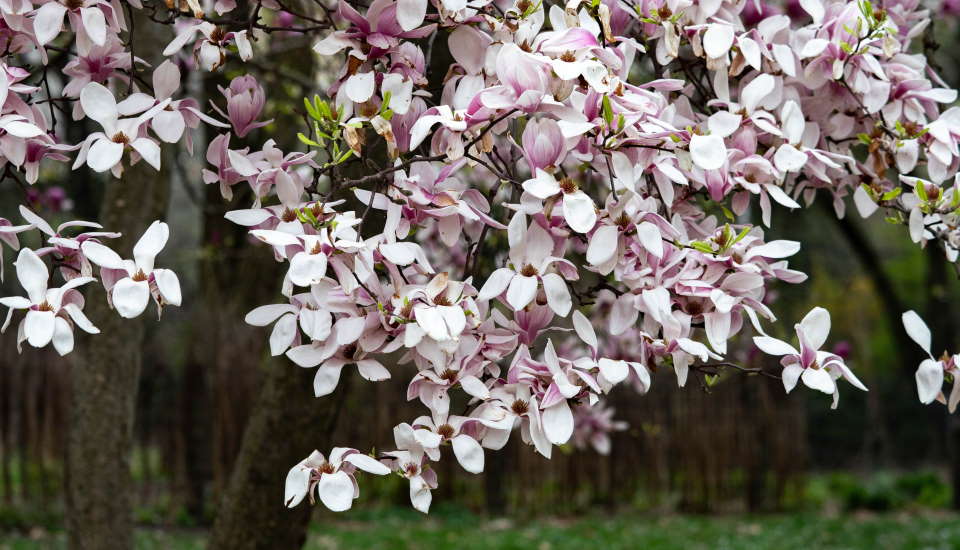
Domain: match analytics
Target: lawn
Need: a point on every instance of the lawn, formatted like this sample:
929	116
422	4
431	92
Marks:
398	530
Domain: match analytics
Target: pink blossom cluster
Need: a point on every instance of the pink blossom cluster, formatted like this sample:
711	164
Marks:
568	211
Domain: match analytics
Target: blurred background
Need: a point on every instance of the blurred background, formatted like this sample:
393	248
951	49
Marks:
739	448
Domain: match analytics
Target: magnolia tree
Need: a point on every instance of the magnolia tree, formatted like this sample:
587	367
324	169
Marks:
515	205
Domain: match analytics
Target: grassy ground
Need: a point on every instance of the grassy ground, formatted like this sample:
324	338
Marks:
396	530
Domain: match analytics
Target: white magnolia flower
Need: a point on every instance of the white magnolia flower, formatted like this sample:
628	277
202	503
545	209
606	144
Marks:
51	312
818	369
930	373
129	294
103	151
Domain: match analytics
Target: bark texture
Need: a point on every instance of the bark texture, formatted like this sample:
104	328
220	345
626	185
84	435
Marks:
104	377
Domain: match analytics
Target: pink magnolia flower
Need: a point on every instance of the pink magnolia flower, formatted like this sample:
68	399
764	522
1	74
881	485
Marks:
51	312
210	51
245	101
132	282
92	19
531	256
818	369
103	151
332	479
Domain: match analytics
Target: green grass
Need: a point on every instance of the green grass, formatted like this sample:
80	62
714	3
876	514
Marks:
398	530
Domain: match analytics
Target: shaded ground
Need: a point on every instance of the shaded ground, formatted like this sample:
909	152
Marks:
396	530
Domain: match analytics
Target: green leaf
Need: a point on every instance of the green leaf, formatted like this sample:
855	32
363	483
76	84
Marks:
306	140
607	111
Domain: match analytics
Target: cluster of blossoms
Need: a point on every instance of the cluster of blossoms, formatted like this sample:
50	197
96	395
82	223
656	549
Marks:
586	169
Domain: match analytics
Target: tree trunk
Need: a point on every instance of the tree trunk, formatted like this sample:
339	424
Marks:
287	423
104	379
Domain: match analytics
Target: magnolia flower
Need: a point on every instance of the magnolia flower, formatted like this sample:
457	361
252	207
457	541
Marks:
930	373
210	51
579	211
132	282
51	312
530	254
440	314
462	434
103	151
334	479
86	16
245	101
818	369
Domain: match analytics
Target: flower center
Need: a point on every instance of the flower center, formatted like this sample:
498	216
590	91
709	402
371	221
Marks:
120	137
73	4
139	276
288	215
442	301
529	271
449	375
446	431
411	469
218	34
45	306
520	407
317	249
327	468
568	56
568	186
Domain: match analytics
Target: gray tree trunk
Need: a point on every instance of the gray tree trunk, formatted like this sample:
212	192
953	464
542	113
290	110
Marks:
104	379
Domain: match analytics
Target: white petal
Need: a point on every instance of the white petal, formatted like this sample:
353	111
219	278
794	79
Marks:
33	275
929	380
819	379
410	13
48	21
603	245
579	211
39	326
307	269
326	379
130	297
816	327
62	336
558	423
717	40
150	244
708	152
359	87
283	334
791	374
336	491
522	291
94	24
772	346
558	295
496	283
99	104
789	159
917	330
469	453
104	155
367	463
755	92
101	255
169	286
614	371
